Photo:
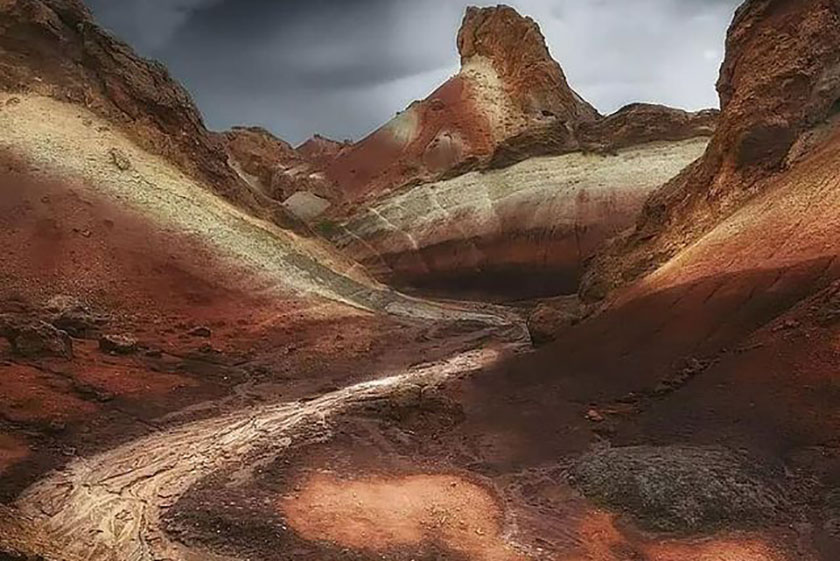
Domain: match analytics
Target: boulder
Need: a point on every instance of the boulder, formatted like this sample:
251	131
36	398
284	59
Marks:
118	344
681	488
32	338
73	316
552	317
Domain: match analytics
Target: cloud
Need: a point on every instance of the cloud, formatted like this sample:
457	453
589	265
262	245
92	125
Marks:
342	67
147	27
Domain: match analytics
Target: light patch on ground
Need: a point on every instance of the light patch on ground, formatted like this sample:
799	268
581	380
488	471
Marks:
383	514
405	127
306	205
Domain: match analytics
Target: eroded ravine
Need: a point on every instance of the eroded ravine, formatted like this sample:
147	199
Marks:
109	506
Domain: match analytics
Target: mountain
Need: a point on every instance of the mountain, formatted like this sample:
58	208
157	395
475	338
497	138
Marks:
508	81
181	377
778	95
504	182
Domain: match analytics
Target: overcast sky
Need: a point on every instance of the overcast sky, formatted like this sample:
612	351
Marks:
343	67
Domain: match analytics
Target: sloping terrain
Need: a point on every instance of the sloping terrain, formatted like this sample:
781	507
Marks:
508	81
209	385
779	89
54	48
522	231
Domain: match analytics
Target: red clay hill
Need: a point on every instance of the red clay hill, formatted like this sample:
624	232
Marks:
508	82
780	96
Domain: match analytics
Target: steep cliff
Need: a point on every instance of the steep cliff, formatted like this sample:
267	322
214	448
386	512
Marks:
779	88
508	82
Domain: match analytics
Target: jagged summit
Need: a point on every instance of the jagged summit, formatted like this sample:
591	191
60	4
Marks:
508	82
515	46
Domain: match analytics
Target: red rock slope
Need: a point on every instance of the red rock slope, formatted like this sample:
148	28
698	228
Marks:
779	91
507	82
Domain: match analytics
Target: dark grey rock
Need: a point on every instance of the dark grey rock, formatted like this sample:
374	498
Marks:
680	488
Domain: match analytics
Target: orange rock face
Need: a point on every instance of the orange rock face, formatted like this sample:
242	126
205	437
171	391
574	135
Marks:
508	81
273	166
321	150
516	48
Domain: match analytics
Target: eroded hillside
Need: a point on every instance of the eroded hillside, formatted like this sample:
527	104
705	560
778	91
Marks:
183	379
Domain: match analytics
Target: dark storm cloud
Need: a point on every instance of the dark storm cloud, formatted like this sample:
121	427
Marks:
342	67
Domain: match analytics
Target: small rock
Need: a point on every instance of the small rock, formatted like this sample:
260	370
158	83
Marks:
118	344
71	315
35	338
791	324
58	426
154	353
594	416
12	101
201	331
552	317
119	159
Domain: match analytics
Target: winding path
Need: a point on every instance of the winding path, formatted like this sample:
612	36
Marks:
108	507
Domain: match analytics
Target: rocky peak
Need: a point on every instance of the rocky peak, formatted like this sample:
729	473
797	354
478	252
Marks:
318	147
780	78
516	47
259	139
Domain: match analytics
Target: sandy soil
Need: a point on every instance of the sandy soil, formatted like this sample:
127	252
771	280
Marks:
379	515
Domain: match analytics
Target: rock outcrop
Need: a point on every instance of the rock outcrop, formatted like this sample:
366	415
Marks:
516	49
321	150
508	82
273	166
635	124
55	48
433	200
779	89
